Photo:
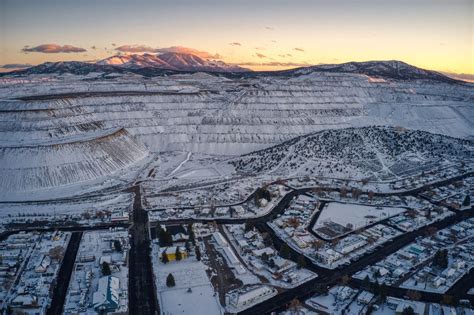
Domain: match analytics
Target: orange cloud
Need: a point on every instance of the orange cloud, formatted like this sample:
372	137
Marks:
192	51
298	49
174	49
260	55
135	48
274	64
54	49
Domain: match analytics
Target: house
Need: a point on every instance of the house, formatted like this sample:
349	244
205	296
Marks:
243	300
343	293
119	216
22	302
328	256
418	308
107	297
171	252
300	242
382	271
438	281
283	264
350	244
220	240
230	255
267	250
250	235
180	237
459	264
365	297
449	272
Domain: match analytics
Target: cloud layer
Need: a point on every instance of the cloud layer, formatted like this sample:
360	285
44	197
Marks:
173	49
15	66
274	64
54	49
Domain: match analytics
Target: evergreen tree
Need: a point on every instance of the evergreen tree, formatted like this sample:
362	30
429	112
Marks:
170	281
198	253
248	226
164	258
106	269
178	254
467	201
118	245
165	239
440	259
383	293
366	283
408	311
301	262
285	251
192	237
375	286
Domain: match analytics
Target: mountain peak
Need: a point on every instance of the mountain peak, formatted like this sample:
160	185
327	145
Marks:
392	69
170	61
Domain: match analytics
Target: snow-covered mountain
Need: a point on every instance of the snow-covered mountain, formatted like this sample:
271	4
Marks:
226	115
391	69
170	61
72	67
151	65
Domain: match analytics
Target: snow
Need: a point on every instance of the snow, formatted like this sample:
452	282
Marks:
355	214
188	273
278	110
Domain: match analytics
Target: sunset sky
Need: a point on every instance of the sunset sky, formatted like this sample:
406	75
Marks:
259	34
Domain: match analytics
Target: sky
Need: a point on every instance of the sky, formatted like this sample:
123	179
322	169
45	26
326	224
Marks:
258	34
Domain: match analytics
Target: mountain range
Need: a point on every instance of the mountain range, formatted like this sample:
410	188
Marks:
169	63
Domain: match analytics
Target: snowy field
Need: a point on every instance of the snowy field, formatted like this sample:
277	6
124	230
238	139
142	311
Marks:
188	274
356	215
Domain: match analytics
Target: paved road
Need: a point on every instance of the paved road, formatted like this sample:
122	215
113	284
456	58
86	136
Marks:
64	275
141	285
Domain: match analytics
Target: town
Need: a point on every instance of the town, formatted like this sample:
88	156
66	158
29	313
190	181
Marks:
305	245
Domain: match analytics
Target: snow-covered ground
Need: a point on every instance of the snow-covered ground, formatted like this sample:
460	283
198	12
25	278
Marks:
193	292
354	216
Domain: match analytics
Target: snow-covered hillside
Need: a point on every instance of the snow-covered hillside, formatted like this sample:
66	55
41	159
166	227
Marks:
58	123
356	153
213	114
31	167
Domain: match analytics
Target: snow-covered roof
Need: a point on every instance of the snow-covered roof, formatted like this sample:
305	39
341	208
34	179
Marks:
107	295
